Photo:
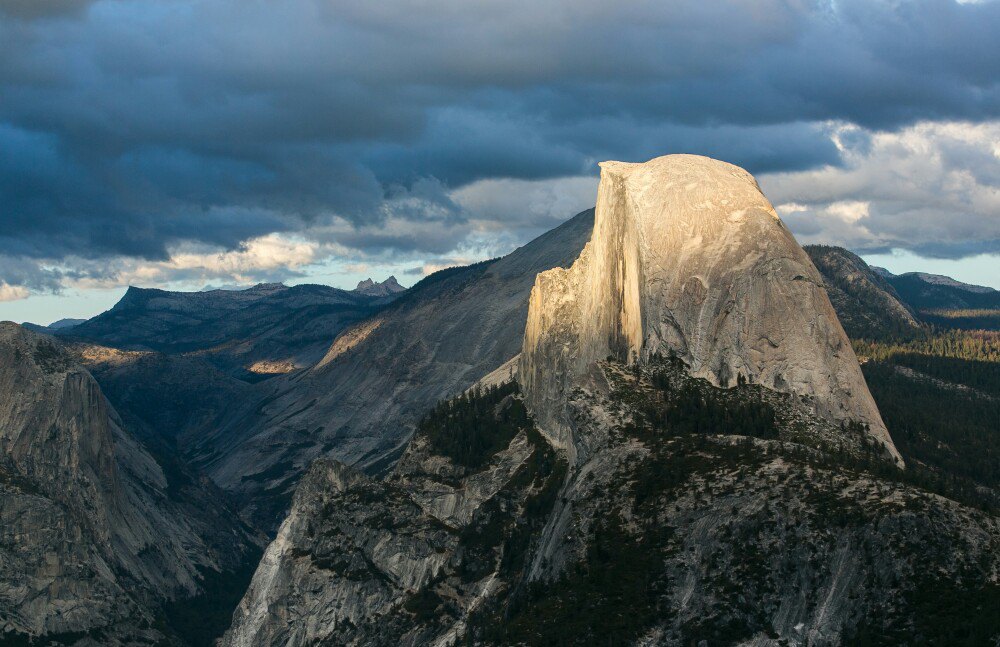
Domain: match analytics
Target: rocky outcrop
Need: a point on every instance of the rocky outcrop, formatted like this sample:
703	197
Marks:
386	288
354	560
95	533
358	569
689	258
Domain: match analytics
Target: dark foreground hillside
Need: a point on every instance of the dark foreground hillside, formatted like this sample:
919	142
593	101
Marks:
699	514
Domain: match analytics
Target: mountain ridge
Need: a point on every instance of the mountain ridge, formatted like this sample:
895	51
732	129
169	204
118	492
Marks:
251	334
866	302
939	279
362	402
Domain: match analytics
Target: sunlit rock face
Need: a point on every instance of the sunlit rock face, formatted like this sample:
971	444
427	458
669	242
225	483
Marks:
688	257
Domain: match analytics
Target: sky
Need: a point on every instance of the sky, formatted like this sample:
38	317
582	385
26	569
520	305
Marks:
190	143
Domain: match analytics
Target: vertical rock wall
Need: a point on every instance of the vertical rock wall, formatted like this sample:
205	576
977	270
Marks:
689	257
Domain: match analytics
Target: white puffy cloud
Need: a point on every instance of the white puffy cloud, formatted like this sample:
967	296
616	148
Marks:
933	188
266	258
10	292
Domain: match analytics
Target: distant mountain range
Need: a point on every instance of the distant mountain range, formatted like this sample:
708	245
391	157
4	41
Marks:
251	334
874	301
61	325
937	280
936	291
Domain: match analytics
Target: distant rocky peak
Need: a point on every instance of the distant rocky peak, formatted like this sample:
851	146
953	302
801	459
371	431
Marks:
135	297
688	258
376	289
268	287
939	279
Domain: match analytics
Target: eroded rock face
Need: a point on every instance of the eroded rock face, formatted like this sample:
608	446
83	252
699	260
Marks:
385	288
689	258
354	560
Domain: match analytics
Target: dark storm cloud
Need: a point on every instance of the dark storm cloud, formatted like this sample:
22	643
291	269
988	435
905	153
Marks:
37	9
129	127
22	272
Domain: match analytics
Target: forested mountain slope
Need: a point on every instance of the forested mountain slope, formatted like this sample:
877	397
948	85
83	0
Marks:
947	303
866	303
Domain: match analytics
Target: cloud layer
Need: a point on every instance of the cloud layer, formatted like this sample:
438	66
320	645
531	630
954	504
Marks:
155	140
932	188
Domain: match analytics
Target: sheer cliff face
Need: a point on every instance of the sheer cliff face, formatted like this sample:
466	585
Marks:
60	492
688	257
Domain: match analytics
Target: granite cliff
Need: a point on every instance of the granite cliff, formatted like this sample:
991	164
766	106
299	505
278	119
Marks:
386	288
688	258
696	513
